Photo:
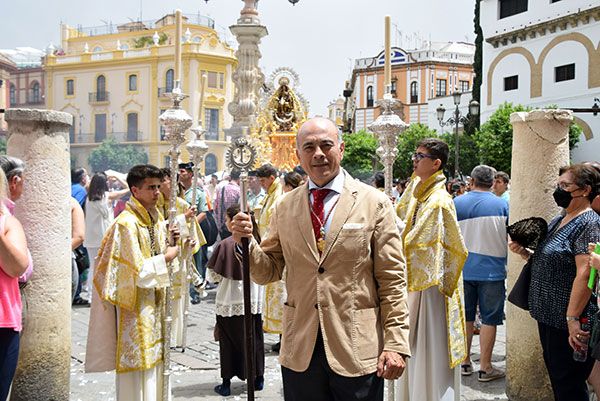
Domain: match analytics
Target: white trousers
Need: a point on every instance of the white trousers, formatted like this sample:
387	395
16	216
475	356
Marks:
427	376
141	385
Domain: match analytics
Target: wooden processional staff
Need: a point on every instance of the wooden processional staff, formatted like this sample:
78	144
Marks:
241	156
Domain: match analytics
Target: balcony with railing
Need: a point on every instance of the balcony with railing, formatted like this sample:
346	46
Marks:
99	97
164	91
98	137
136	26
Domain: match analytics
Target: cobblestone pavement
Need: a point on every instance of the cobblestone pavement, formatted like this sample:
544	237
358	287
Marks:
196	371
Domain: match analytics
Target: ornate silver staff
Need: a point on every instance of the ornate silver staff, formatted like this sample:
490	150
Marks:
387	127
175	121
241	155
197	149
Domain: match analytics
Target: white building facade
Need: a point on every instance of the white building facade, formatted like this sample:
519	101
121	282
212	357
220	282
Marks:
543	52
422	79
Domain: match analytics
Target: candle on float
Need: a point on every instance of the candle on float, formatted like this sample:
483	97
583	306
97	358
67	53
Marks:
388	51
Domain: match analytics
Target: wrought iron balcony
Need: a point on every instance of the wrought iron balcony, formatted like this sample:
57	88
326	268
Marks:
98	137
99	97
164	91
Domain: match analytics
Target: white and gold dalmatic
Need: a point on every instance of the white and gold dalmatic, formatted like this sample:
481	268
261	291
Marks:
180	289
274	292
125	331
435	254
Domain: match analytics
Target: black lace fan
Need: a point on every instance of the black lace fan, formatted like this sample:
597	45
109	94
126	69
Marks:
528	232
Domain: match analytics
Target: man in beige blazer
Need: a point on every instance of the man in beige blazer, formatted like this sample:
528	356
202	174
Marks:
345	322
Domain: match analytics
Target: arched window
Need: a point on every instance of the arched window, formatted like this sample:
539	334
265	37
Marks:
210	164
13	95
369	96
35	92
170	80
97	49
101	95
414	92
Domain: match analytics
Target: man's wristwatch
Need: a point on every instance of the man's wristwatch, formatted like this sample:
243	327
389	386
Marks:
572	318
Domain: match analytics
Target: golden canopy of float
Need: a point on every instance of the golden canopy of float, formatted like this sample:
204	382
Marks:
282	112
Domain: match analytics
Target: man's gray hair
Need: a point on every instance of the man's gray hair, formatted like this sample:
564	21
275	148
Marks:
483	176
12	166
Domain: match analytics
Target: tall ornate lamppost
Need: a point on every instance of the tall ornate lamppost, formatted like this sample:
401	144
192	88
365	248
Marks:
456	119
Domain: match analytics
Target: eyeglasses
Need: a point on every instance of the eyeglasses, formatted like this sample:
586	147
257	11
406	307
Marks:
564	185
416	157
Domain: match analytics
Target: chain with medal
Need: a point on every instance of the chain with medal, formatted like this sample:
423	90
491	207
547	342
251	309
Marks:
321	239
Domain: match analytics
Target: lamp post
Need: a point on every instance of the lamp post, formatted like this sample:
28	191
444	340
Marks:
456	119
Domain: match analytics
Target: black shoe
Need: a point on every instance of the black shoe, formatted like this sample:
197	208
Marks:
276	347
81	302
211	286
224	389
259	383
195	300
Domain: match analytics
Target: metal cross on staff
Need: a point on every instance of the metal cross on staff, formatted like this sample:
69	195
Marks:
241	155
175	121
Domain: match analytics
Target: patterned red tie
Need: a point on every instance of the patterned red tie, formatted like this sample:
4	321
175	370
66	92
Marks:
317	214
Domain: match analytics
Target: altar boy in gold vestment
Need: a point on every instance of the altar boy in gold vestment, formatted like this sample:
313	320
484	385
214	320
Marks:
125	331
275	294
188	229
435	255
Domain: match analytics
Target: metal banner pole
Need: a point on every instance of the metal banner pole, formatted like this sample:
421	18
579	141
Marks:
175	121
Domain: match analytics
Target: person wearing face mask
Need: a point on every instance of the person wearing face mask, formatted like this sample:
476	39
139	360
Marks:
558	294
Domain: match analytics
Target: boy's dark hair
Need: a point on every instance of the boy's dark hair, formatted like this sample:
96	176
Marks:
232	211
77	175
436	148
503	176
298	169
139	173
379	180
266	171
235	209
235	174
166	172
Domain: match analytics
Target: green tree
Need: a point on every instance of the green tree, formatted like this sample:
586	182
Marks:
477	66
112	155
407	144
145	41
494	139
359	155
3	146
468	152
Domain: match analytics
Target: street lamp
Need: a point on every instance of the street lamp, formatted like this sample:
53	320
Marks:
456	119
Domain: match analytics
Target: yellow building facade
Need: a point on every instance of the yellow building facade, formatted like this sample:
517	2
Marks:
115	81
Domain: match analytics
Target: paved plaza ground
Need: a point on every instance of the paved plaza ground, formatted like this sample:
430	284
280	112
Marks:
196	371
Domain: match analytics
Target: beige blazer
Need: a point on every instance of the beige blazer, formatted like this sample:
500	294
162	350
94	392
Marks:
355	291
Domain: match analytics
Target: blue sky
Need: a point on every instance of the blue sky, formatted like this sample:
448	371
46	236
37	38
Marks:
317	38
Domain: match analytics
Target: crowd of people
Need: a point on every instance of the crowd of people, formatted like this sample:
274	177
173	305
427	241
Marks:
360	286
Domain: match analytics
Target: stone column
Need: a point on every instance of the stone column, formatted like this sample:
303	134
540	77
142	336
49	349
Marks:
248	77
540	148
41	139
